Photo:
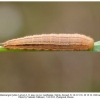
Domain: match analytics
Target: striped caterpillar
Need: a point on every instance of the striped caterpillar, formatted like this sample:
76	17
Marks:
51	42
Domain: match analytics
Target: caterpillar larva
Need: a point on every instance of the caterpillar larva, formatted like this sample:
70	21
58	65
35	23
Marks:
51	42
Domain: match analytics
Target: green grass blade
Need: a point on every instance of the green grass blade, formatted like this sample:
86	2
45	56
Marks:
6	50
96	47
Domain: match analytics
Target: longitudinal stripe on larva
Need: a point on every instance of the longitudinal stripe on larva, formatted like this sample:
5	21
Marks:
52	41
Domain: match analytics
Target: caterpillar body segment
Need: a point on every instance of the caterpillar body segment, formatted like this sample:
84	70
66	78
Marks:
52	41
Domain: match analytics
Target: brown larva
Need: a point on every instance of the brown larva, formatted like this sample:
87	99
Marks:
51	42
